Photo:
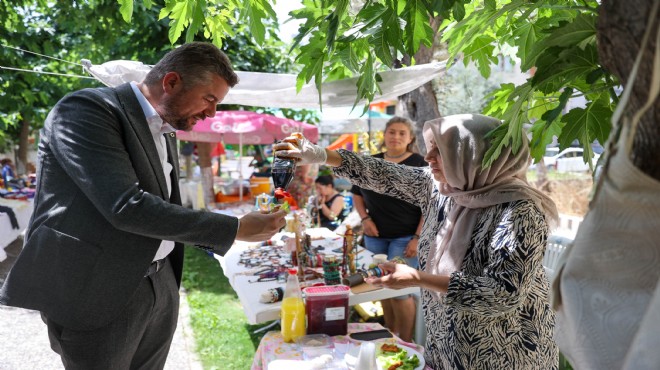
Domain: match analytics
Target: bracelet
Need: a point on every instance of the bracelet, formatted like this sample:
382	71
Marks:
415	236
366	218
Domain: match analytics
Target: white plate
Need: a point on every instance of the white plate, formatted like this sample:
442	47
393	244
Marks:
351	356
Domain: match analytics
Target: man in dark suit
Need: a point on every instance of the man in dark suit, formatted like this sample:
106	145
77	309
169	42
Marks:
103	253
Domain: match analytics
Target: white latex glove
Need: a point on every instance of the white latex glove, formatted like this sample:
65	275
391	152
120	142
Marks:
297	146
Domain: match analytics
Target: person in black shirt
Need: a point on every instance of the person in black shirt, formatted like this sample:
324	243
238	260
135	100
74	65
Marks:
330	202
392	226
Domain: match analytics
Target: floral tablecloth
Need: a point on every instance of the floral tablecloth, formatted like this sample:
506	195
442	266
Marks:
272	346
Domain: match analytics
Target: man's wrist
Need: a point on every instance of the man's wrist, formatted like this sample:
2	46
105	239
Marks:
415	236
367	217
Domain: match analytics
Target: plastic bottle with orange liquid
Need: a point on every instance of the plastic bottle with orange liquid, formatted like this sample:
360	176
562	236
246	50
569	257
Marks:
293	309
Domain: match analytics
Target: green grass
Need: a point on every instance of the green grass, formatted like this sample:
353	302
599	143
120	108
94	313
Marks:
223	336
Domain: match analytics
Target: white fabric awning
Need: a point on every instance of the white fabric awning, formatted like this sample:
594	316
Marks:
279	90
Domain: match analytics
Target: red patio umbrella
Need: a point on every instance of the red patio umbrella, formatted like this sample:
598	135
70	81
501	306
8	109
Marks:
245	127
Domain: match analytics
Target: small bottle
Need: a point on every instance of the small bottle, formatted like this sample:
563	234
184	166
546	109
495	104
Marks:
282	172
348	203
293	309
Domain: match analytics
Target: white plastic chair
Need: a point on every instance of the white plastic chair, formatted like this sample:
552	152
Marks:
556	246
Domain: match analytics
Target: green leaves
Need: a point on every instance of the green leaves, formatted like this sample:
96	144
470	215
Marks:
555	41
587	124
126	9
481	51
417	29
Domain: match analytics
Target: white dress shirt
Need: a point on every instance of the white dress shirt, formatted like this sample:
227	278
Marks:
158	130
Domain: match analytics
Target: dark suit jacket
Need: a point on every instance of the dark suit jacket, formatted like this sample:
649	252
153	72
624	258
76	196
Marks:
100	212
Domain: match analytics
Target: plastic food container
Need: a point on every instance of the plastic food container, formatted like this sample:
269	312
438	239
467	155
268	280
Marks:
327	309
315	345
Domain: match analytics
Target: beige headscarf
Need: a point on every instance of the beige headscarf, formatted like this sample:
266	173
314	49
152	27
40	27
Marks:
462	145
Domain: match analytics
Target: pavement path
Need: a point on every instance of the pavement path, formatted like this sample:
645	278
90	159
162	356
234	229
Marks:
24	339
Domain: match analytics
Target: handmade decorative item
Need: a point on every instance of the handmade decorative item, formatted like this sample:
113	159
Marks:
331	270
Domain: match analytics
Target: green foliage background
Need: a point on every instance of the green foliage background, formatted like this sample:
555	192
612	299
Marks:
556	39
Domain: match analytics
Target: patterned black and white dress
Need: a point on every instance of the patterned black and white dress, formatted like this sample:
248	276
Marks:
496	313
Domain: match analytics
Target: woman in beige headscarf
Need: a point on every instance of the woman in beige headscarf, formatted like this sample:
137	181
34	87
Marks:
484	289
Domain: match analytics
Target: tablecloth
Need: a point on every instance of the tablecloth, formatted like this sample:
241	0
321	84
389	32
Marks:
272	347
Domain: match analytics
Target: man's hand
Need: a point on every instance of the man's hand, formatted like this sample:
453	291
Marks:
259	226
297	146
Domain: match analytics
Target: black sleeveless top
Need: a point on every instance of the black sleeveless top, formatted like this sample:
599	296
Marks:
326	222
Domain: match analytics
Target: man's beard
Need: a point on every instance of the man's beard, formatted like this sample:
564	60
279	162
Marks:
170	108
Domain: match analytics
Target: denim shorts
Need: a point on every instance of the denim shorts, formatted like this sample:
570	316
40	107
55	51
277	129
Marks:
393	247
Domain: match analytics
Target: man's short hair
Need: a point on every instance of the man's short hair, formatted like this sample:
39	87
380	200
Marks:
195	62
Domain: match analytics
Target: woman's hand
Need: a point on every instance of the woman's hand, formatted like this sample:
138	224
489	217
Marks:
398	276
369	228
411	248
297	146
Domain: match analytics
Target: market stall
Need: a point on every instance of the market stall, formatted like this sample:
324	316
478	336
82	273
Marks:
251	280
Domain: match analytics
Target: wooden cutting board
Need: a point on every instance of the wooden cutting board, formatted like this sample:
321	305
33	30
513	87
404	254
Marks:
364	287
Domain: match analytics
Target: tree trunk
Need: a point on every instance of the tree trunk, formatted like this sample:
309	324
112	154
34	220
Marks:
23	146
621	26
421	104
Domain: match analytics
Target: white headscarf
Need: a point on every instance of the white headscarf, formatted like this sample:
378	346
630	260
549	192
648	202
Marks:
462	144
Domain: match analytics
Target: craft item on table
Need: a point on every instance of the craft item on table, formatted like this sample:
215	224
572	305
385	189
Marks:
311	274
299	248
331	270
265	254
397	259
379	258
262	202
269	274
351	248
353	279
375	272
312	259
344	258
272	295
360	275
282	171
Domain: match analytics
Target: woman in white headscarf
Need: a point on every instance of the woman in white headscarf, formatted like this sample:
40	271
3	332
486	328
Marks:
484	289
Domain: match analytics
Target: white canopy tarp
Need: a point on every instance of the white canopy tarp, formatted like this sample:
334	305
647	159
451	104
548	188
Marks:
279	90
337	121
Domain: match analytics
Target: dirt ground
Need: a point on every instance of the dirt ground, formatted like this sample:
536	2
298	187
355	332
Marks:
570	195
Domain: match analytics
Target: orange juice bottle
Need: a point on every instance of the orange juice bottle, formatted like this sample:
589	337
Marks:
293	309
